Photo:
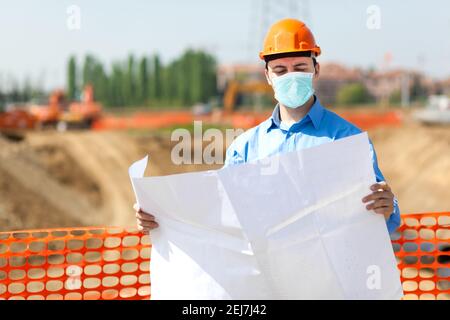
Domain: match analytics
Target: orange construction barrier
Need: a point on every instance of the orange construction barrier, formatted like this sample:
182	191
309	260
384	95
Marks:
422	248
371	120
75	264
113	263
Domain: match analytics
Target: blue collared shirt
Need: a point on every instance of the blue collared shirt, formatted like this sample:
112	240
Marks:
318	126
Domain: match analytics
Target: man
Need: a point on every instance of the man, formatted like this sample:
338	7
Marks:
299	120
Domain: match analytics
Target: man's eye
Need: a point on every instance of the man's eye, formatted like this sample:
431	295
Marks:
278	73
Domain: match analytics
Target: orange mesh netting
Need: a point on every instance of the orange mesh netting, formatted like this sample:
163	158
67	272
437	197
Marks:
75	263
113	263
422	248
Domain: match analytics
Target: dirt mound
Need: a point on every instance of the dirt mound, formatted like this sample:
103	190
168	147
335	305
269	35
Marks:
62	167
415	160
22	208
32	194
52	179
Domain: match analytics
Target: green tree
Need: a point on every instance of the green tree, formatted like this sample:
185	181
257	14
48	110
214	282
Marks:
130	82
27	90
209	77
100	83
143	84
353	93
196	87
193	76
168	85
395	97
186	80
88	69
156	78
117	91
72	78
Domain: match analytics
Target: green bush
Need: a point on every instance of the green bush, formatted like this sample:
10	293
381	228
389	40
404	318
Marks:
354	93
395	97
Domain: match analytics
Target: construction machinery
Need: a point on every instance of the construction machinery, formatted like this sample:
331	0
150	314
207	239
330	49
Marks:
234	88
47	115
57	113
437	111
15	117
62	115
81	114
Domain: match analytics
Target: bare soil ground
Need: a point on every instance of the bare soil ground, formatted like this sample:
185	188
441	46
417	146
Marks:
75	179
415	160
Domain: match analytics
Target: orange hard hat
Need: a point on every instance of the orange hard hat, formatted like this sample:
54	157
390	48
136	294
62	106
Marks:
289	36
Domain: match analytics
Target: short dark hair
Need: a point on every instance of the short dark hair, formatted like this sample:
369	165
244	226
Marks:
271	57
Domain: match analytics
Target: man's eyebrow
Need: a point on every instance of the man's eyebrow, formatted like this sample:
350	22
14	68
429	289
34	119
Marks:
301	64
279	66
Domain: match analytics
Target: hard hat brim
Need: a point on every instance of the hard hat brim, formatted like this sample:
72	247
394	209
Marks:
275	56
299	53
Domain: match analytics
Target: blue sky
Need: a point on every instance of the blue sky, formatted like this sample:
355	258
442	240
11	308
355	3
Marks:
35	40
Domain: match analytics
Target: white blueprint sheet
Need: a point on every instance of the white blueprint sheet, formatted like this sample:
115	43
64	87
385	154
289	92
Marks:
291	226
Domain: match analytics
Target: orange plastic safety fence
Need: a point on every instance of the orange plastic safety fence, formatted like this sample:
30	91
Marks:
422	248
113	263
74	264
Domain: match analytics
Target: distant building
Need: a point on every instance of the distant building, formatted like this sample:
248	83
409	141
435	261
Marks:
334	76
442	87
381	85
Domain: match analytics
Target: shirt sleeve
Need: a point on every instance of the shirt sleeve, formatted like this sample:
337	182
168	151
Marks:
232	156
394	219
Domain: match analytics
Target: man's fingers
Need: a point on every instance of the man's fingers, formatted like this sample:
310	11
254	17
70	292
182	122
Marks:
382	199
380	186
380	203
382	210
378	195
145	216
385	211
145	221
148	224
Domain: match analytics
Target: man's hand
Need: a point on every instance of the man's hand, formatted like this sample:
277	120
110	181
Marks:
145	221
383	199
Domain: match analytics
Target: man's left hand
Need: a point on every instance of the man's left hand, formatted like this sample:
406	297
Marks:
382	199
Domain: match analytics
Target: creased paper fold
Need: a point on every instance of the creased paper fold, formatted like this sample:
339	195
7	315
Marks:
291	226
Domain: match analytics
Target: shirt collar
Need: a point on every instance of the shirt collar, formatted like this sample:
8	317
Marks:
314	115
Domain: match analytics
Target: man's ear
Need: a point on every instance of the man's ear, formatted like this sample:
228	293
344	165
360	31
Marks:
317	73
266	72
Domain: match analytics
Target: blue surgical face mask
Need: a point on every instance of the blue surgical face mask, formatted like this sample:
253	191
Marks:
293	89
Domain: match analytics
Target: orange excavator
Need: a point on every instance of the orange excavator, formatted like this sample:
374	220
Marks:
63	115
58	113
16	119
235	88
48	115
244	119
81	114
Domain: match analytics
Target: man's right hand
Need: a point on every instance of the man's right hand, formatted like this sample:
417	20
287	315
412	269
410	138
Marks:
145	221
